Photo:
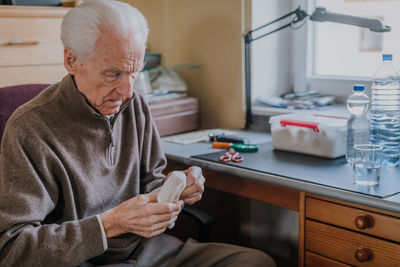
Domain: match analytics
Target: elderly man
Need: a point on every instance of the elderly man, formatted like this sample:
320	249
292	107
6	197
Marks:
79	162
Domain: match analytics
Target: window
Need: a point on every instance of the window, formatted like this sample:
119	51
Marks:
331	57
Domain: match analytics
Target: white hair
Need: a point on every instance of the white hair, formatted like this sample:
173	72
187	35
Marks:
82	25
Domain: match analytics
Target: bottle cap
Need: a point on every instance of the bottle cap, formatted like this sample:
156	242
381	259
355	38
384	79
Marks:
387	57
358	88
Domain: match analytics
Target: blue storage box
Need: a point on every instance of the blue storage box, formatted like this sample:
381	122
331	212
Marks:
151	60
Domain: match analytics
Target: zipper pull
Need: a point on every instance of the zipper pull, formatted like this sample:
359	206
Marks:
111	153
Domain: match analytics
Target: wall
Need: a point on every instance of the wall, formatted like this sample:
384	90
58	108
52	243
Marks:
271	55
207	32
271	76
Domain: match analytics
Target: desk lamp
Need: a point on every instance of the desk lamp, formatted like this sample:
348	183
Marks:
320	14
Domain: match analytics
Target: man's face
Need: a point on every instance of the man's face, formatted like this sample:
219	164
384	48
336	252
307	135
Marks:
106	79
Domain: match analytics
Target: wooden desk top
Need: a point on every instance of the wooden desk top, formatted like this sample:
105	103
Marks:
182	154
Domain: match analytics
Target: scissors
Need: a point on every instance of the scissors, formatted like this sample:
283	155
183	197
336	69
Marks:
231	156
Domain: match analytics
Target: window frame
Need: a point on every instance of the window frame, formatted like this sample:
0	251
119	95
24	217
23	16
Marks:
303	64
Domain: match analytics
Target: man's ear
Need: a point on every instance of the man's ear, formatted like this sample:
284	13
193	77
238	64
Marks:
70	61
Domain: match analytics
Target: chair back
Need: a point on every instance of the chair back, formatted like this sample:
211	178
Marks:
12	97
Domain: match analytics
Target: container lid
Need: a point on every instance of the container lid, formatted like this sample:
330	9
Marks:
387	57
358	88
315	122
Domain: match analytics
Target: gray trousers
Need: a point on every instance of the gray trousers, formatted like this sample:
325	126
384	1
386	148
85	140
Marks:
167	251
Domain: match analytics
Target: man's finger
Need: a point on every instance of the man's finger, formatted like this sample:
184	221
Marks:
152	198
190	196
194	170
151	222
193	174
163	208
144	198
191	201
193	189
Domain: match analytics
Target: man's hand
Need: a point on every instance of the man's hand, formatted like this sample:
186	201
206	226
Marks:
141	215
194	185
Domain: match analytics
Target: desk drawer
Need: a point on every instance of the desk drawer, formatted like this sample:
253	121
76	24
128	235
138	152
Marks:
353	218
314	260
177	115
40	37
343	245
174	106
177	123
31	74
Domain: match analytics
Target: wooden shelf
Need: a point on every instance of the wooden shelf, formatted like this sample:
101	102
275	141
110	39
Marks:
32	11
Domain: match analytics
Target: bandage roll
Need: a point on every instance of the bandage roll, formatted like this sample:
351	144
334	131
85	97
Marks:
172	188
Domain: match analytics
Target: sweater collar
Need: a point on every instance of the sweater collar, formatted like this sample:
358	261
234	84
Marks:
77	102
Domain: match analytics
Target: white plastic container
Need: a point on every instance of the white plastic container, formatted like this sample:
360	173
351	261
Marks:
312	134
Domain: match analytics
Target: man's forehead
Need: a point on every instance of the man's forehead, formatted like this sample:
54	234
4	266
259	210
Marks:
119	52
129	63
107	37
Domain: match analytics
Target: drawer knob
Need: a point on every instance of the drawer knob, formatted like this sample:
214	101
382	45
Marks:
363	222
363	254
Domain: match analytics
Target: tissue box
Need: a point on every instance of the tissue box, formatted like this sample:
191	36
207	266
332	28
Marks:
313	134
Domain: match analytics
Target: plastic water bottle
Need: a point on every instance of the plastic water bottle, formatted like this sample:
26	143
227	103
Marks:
358	124
385	111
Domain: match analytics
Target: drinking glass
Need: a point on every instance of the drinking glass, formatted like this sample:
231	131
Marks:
367	164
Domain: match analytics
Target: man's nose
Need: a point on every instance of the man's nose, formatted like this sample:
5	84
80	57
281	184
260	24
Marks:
126	86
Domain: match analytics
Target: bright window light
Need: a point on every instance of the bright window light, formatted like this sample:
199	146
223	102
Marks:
342	50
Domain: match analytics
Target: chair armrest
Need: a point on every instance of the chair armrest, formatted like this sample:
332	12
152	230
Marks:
198	214
205	222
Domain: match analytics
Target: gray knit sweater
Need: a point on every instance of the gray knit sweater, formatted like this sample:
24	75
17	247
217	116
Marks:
61	164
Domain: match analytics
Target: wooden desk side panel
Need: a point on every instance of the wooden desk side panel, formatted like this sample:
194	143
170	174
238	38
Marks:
268	193
301	250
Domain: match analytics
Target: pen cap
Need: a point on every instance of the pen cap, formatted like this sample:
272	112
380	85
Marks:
221	145
228	139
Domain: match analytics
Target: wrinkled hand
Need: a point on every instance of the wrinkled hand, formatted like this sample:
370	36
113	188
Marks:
141	215
194	185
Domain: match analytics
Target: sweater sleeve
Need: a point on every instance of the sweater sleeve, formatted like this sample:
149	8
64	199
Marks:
153	160
28	194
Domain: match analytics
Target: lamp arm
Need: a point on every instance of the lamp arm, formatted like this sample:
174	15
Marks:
373	24
299	13
268	33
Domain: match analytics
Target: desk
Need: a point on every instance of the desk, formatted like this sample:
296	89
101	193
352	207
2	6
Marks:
337	227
